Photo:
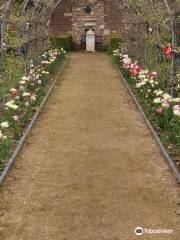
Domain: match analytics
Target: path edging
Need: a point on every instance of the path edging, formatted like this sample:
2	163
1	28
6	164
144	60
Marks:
28	129
165	154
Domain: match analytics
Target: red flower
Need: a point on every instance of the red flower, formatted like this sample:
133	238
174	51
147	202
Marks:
153	74
169	52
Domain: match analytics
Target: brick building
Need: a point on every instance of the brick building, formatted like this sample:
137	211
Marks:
77	16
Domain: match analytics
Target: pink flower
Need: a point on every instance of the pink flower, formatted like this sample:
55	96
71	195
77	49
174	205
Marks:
177	108
159	111
153	74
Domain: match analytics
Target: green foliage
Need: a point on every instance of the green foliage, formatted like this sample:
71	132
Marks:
5	152
62	42
27	116
14	70
115	42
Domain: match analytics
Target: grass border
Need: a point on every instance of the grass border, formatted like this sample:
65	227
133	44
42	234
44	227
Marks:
165	154
28	129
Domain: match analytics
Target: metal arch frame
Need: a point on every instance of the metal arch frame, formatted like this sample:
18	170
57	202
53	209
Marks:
42	16
49	9
171	21
24	7
7	7
41	12
173	42
45	13
126	17
53	8
165	2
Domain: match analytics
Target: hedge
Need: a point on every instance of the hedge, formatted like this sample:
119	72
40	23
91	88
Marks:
62	42
115	42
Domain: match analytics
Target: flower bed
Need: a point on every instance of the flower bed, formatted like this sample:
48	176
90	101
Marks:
161	108
24	100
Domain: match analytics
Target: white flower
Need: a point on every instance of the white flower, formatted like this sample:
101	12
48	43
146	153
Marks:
22	82
4	124
159	93
176	113
176	110
4	137
31	71
151	81
37	76
165	105
21	88
125	56
143	82
13	90
24	78
1	134
26	94
167	97
138	85
39	82
26	104
12	105
157	100
146	80
15	118
33	98
17	97
176	100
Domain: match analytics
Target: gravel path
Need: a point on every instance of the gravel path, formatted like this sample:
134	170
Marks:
90	169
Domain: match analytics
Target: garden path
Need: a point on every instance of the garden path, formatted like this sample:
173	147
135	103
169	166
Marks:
90	169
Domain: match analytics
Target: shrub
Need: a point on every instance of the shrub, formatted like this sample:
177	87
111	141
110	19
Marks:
115	42
62	42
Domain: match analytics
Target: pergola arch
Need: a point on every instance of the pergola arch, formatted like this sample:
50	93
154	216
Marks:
35	17
41	8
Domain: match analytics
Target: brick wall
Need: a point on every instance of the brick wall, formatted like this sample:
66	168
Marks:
70	17
81	18
61	21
